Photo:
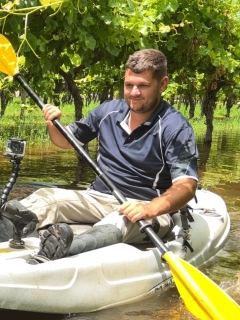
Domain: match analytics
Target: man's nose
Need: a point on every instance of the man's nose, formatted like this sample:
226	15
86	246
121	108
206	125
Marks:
135	90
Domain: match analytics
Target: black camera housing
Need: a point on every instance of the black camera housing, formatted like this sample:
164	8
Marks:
15	147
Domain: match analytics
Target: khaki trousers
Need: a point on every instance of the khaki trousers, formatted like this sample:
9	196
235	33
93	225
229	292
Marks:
53	205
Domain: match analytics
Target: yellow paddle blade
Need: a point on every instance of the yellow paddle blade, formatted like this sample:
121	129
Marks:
8	59
202	297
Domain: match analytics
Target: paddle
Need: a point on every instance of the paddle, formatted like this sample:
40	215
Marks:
203	297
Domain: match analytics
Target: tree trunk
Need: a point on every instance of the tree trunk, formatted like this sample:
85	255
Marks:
208	106
186	101
57	90
229	104
1	102
192	106
120	91
179	102
4	102
23	102
172	99
73	89
78	101
107	93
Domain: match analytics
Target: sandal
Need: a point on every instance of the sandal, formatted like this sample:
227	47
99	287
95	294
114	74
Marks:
55	243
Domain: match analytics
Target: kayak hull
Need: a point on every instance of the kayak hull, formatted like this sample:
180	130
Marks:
109	276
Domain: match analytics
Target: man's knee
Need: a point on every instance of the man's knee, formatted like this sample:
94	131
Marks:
23	220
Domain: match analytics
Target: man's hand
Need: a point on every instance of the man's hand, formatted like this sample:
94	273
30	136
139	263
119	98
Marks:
135	210
50	113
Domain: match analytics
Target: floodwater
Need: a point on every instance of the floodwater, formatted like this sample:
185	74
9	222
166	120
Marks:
219	171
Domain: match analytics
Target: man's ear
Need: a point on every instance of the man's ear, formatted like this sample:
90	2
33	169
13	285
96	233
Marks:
164	83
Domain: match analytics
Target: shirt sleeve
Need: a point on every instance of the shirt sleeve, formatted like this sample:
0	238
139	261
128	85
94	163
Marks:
182	154
86	129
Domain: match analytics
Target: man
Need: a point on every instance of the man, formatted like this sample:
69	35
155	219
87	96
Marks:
145	147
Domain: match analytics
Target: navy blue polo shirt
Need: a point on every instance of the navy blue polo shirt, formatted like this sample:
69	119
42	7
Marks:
144	163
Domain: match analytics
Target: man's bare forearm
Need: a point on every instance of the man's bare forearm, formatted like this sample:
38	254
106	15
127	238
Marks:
58	139
176	197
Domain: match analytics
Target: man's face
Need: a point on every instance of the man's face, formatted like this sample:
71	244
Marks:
141	91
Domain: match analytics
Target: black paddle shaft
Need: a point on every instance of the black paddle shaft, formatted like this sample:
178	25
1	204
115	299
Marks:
145	227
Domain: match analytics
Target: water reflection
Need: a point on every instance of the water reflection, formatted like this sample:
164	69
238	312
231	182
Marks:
219	167
219	171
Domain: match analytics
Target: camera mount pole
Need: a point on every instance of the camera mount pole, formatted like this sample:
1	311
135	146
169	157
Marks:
16	161
16	242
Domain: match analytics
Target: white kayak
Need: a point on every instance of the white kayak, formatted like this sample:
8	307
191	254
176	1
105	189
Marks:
110	276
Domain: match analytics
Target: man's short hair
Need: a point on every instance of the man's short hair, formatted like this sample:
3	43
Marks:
148	59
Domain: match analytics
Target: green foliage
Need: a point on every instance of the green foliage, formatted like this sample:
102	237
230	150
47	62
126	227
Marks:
92	41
